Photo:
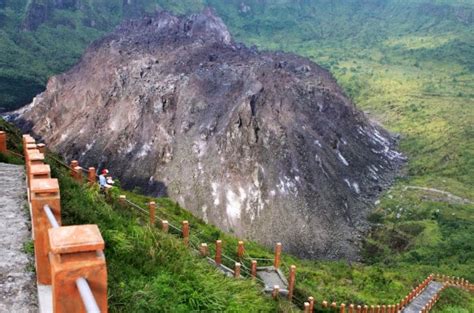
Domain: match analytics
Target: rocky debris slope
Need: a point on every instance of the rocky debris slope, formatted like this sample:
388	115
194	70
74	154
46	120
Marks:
262	144
17	282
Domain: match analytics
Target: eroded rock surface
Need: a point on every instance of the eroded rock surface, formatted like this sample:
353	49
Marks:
265	145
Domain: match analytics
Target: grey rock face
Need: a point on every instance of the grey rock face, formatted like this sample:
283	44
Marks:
265	145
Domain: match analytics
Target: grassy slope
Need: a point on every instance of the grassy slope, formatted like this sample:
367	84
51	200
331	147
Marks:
149	270
414	73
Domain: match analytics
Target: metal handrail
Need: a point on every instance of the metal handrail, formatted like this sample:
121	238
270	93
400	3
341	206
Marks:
52	219
86	295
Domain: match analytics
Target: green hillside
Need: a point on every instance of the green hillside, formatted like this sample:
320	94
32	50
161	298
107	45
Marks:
408	64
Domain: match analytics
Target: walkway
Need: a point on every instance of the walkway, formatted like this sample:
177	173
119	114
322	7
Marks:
17	281
419	302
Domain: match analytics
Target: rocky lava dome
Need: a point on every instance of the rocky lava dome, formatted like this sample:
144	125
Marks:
262	144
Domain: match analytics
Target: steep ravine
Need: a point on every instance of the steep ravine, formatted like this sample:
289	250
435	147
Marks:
265	145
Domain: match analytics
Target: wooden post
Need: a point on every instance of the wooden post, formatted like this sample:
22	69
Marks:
334	306
41	147
204	250
372	309
186	232
343	308
122	199
3	142
164	226
237	270
253	270
366	309
218	257
384	309
306	307
152	209
377	308
91	176
311	304
276	263
240	250
291	282
276	292
73	166
324	304
351	308
359	309
78	174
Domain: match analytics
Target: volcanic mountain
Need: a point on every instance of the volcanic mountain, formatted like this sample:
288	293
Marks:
262	144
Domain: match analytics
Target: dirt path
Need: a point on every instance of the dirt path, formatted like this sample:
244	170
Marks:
419	302
444	196
17	282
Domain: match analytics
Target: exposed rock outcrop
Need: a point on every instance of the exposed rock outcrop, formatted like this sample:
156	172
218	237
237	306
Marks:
265	145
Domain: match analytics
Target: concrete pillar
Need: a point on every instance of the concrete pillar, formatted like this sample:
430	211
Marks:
164	226
291	282
240	250
152	209
204	250
277	260
276	292
311	304
218	257
237	270
3	142
43	191
91	176
253	268
186	232
76	251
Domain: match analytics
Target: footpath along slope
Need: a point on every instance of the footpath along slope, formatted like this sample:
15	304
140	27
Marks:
17	282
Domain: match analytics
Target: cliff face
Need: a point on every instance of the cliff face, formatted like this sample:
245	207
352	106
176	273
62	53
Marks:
265	145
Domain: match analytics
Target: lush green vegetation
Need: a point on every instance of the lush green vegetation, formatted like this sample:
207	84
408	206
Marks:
407	64
161	273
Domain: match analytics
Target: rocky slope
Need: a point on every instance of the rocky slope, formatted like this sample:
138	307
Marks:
265	145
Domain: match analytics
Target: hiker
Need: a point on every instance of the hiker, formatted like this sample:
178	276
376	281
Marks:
105	182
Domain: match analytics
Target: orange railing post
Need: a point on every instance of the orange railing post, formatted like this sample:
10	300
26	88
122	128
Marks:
43	192
240	250
253	268
152	208
277	260
186	232
203	250
3	142
291	282
91	176
76	253
218	257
